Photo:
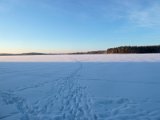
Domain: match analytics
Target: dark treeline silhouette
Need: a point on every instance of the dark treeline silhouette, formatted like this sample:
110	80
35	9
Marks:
122	49
32	53
135	49
91	52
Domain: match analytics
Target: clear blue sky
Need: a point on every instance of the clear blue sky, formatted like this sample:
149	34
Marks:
77	25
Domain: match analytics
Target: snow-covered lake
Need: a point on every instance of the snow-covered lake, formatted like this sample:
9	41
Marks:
84	58
80	87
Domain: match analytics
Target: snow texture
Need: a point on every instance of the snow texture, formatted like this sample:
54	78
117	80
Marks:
79	90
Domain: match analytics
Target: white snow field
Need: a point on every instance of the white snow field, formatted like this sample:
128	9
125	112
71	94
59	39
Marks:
84	58
80	87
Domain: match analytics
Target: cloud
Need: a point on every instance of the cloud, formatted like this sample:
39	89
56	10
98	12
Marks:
142	13
147	17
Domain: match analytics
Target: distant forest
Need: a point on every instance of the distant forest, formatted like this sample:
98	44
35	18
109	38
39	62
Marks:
135	49
116	50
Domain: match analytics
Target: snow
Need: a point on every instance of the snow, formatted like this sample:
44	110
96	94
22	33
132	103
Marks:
80	87
83	58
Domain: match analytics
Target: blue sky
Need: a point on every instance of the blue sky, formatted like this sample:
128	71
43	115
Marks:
77	25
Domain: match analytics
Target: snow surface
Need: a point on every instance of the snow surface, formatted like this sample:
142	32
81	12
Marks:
77	89
83	58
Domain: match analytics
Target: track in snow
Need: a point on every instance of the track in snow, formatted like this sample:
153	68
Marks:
66	100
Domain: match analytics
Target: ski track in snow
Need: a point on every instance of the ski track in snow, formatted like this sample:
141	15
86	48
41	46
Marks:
70	102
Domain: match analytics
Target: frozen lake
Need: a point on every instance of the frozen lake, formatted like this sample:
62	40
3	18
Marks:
84	58
80	87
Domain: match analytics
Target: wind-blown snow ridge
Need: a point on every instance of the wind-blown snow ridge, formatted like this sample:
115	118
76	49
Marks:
84	58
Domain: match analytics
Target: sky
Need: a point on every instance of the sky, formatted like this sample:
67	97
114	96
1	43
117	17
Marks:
56	26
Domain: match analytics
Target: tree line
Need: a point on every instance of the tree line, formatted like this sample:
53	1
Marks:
135	49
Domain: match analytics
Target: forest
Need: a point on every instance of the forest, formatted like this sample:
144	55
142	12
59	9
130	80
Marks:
134	49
